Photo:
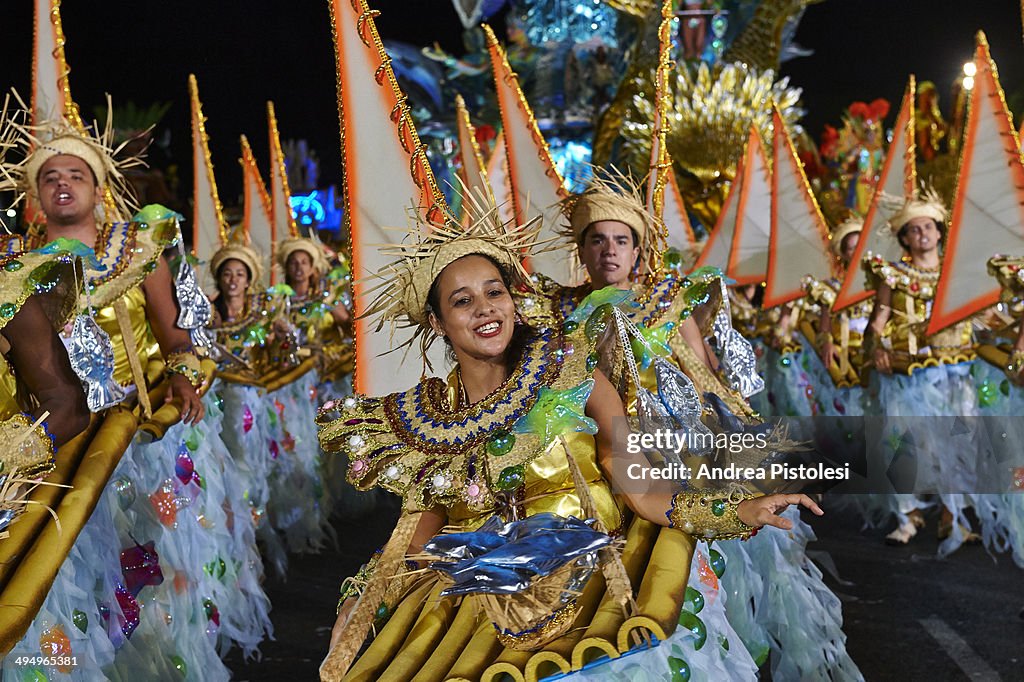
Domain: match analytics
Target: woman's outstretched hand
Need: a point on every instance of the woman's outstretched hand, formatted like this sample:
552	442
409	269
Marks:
764	511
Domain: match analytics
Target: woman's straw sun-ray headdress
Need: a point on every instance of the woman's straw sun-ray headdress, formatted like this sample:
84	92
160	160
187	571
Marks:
402	289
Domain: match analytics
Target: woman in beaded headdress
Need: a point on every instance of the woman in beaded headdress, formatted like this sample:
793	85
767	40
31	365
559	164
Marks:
921	377
508	434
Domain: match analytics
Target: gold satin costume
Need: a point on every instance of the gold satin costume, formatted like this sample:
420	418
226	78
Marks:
127	252
52	277
436	453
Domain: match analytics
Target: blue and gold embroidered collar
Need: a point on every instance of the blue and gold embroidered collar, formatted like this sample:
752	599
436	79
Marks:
423	418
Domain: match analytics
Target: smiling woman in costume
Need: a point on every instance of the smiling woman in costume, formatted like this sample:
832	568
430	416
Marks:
507	437
240	309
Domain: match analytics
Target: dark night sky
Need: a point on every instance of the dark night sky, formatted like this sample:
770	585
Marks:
245	52
865	49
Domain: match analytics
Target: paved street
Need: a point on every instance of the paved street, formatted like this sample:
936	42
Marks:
908	615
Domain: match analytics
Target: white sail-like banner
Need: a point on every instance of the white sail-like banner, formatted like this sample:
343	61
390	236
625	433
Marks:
497	176
748	257
536	185
716	249
379	147
280	195
257	216
799	236
209	230
680	231
988	212
473	171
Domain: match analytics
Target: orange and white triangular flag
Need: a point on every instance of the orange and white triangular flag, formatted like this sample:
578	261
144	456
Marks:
280	195
51	88
386	173
798	245
536	185
716	249
748	257
209	230
497	176
988	211
473	170
257	216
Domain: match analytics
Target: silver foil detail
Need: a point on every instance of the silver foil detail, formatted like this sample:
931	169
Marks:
92	358
196	311
680	398
736	355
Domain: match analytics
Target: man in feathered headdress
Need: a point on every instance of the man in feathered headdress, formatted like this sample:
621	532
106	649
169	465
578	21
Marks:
74	178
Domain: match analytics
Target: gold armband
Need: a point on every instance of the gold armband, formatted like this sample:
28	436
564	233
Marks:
708	515
187	365
27	451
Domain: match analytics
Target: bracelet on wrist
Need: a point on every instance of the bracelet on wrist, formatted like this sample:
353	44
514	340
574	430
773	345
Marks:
187	365
709	515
